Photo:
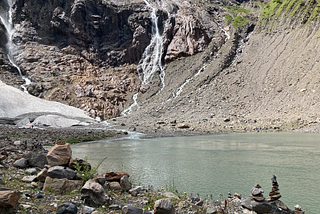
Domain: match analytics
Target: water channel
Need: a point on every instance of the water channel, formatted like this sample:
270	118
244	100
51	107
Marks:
219	163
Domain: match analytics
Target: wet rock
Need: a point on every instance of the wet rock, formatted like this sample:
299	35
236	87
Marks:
36	159
21	163
67	208
61	172
115	176
59	155
61	185
163	206
93	194
125	183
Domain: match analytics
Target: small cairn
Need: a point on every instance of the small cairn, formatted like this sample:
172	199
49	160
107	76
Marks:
256	193
274	194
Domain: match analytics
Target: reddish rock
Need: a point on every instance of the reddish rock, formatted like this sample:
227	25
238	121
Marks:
60	154
115	176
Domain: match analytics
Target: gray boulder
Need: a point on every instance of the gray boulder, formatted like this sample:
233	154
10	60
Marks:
67	208
258	207
29	179
136	190
93	194
125	183
36	159
32	171
21	163
133	210
163	206
61	172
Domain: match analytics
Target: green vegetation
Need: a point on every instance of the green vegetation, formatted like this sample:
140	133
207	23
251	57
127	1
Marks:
72	140
237	9
85	172
234	16
269	9
303	10
228	18
239	21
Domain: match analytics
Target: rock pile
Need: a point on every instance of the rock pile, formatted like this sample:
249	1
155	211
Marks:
274	194
256	193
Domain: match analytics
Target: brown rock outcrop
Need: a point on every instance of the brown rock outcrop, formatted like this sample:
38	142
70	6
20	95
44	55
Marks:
189	38
115	176
59	155
8	198
60	185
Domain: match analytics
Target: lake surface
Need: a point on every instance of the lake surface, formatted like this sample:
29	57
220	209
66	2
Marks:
219	163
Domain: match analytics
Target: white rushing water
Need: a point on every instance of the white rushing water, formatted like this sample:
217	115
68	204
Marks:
6	19
180	89
151	58
150	63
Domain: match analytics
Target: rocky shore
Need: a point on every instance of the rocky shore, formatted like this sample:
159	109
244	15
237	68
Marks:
34	180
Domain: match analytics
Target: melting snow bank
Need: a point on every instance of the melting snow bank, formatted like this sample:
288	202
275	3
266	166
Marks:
19	108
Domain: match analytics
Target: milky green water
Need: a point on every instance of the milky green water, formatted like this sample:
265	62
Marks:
219	164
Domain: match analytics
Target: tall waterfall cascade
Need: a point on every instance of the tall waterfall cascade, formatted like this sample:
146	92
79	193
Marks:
150	63
6	19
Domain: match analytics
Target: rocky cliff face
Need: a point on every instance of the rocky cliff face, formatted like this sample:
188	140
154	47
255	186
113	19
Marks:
85	53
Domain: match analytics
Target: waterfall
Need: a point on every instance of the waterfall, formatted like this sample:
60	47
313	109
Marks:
151	58
6	19
151	63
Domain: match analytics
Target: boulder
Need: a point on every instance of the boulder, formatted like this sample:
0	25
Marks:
8	198
133	210
21	163
279	207
42	174
67	208
170	195
61	172
183	126
163	206
115	186
59	155
258	207
61	185
125	183
29	179
36	159
136	190
115	176
87	210
32	171
93	194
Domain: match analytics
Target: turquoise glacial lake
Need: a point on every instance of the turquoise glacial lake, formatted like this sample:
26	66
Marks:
218	164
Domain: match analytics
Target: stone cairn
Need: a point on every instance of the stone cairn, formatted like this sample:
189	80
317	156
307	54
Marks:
274	194
256	193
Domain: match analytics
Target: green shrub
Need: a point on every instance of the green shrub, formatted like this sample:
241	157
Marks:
86	172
